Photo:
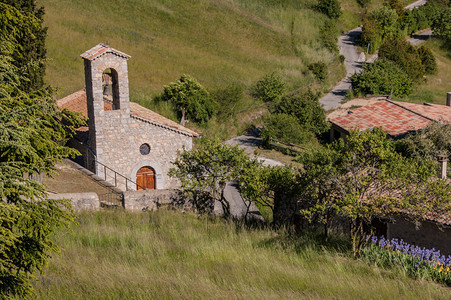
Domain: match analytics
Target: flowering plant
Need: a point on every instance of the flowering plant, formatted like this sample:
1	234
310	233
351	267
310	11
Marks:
413	260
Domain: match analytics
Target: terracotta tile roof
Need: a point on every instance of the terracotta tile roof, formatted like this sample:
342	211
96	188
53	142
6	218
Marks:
394	117
77	102
101	49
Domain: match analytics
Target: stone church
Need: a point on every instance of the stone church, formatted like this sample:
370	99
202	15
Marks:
127	144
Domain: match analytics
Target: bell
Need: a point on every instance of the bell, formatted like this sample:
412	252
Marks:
107	90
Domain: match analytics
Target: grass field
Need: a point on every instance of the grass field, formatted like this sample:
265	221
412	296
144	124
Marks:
167	254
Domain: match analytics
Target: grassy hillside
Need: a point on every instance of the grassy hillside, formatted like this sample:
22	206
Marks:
216	41
169	255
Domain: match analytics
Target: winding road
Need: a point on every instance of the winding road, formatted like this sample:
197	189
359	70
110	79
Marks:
353	61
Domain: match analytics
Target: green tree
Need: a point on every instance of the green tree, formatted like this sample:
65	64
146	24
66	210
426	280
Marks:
228	99
364	178
404	55
306	108
192	100
330	8
269	89
207	169
32	135
427	60
379	77
442	25
319	69
285	128
21	22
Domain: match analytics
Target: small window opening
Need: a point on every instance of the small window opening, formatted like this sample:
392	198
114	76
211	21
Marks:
110	86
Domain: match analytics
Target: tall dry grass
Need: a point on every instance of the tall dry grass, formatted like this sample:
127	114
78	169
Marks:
167	254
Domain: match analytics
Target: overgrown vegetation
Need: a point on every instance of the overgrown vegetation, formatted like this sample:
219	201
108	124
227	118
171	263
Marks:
167	254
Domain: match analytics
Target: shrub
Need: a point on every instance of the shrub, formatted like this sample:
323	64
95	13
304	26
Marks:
404	55
285	128
379	77
427	59
228	98
442	25
330	8
307	110
328	35
269	88
319	69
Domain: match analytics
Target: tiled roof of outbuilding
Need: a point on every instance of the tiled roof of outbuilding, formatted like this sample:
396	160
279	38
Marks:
101	49
77	102
394	117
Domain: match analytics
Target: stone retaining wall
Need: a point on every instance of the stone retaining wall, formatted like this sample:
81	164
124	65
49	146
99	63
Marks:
80	201
150	199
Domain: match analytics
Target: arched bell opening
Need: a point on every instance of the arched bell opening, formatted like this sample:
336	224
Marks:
110	87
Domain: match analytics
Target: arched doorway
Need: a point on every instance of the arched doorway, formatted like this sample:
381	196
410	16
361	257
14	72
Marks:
145	178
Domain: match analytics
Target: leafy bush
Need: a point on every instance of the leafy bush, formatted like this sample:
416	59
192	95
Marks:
228	98
379	77
307	110
330	8
427	59
378	25
285	128
191	99
427	143
442	25
270	88
404	55
319	69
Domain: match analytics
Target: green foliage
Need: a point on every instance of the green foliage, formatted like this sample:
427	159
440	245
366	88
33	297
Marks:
378	25
32	135
328	35
330	8
285	128
442	25
427	60
306	108
228	98
404	55
365	178
21	23
396	5
269	89
207	169
319	69
191	99
378	78
427	143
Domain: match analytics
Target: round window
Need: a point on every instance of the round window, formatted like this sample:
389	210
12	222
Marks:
144	149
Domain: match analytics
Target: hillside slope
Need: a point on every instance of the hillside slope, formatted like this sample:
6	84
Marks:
216	41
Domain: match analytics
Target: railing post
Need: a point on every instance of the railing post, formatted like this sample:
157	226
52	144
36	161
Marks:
126	181
115	180
104	171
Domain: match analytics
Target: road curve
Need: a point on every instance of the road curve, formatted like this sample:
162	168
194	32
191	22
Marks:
353	64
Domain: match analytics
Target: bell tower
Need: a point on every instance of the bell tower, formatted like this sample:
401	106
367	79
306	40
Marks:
105	113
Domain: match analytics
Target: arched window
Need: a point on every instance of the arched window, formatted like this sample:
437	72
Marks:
110	86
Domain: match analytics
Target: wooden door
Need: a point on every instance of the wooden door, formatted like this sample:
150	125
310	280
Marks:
145	178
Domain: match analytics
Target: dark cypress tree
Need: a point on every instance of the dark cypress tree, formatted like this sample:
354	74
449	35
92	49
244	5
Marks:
21	22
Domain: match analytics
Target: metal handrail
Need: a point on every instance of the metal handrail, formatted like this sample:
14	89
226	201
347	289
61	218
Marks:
115	176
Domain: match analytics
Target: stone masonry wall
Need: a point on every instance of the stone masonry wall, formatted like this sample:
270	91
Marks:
80	201
427	235
149	199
